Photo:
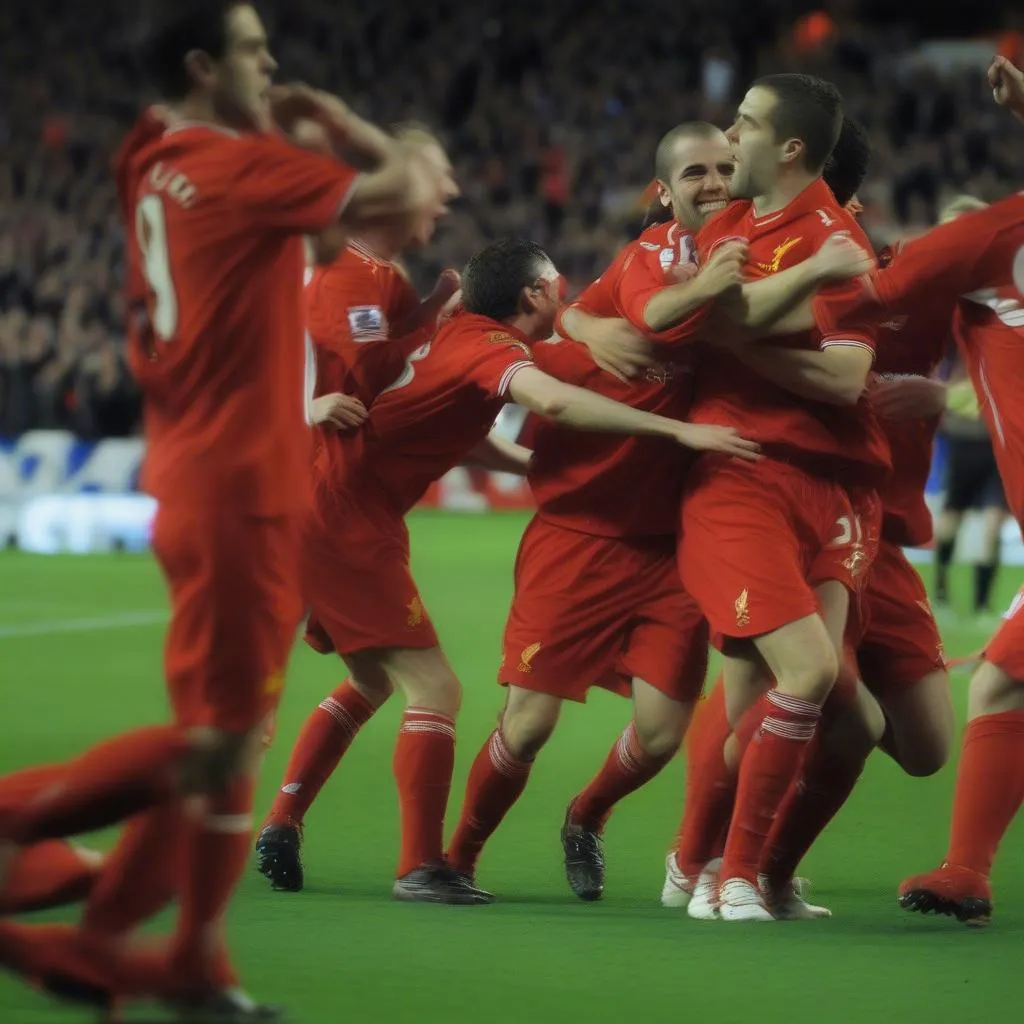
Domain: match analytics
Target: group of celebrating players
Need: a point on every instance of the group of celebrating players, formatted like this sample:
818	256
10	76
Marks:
731	433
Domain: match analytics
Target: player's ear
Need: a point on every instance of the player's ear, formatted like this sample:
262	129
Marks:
663	194
792	151
200	67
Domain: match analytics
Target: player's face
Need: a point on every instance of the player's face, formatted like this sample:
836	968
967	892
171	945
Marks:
757	153
699	184
542	298
244	75
435	155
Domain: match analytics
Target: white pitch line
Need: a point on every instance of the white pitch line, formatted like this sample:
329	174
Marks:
126	620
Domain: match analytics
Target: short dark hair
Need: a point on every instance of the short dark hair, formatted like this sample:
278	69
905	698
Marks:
806	108
847	165
686	130
185	25
497	273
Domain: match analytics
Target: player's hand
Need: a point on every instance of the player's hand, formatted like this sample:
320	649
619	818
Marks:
1007	83
619	348
841	258
343	412
704	438
907	398
725	269
449	283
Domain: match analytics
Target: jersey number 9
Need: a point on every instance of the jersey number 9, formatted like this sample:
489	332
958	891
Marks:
151	234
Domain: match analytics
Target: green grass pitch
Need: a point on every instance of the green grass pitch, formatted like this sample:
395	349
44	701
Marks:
80	646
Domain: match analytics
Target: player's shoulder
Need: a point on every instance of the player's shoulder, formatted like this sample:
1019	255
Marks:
467	331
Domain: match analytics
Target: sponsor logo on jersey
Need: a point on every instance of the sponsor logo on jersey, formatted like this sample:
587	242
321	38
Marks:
366	323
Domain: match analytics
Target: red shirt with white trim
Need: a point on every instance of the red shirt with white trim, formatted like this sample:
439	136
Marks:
607	484
978	257
441	406
215	221
823	438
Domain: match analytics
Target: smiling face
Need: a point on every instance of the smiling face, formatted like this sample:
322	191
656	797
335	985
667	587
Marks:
697	182
758	154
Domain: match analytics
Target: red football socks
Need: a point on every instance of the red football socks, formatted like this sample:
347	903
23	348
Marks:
710	785
627	767
496	781
141	873
106	784
216	853
770	765
48	874
989	789
824	785
325	737
423	763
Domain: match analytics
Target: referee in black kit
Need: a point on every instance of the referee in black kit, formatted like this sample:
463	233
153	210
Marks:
972	483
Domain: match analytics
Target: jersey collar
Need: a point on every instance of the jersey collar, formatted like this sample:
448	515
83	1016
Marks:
817	195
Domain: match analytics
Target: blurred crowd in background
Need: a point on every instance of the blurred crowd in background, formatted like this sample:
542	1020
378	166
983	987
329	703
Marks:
551	112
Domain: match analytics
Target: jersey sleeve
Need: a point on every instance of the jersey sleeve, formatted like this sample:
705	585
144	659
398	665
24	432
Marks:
279	185
499	358
343	308
641	278
843	319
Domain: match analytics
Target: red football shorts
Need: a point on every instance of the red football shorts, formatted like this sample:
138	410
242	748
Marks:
1006	649
356	579
599	611
899	643
235	607
758	537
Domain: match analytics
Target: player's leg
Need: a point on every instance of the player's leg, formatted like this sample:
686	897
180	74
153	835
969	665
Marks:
322	742
500	772
423	763
962	481
851	727
666	656
989	785
802	658
987	567
902	663
947	526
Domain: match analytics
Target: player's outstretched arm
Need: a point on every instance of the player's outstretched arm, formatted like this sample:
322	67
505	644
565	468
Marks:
500	456
615	344
836	375
581	409
780	303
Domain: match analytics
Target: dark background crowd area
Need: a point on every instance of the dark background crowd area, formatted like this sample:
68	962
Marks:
551	111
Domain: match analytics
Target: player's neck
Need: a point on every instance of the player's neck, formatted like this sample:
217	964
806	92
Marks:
381	243
786	189
200	108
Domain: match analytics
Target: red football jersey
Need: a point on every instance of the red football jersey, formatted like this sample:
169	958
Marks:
351	306
911	346
817	435
607	484
441	406
980	258
655	260
217	218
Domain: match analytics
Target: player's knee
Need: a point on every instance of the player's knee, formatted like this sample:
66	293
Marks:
662	736
925	758
216	757
812	678
993	692
527	722
857	731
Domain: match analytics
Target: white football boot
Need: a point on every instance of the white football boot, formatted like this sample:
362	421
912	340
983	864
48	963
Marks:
704	904
678	887
739	900
787	903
